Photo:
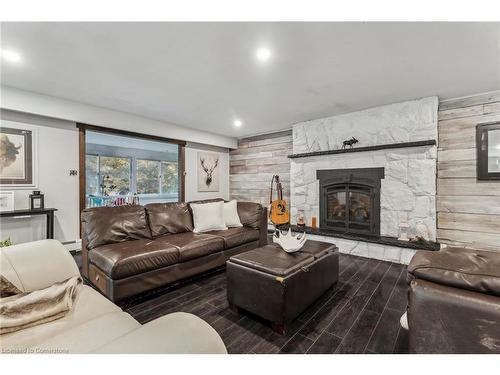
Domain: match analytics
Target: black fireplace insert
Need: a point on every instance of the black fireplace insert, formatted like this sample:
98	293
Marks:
349	200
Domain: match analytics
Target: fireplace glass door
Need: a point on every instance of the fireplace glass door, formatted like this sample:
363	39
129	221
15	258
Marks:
349	208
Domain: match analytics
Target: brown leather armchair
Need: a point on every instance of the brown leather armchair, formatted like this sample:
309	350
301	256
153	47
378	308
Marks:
454	301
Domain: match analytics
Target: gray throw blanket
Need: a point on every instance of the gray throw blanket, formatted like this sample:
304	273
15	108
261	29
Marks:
40	306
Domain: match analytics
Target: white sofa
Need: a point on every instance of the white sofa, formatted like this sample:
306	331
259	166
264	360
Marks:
94	325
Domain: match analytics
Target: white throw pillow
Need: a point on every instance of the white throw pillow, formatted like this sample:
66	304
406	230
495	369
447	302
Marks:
231	215
208	216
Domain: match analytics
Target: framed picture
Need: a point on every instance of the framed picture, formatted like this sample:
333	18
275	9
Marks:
6	201
18	155
208	171
488	151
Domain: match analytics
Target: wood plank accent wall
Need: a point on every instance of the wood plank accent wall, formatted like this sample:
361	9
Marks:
255	161
468	210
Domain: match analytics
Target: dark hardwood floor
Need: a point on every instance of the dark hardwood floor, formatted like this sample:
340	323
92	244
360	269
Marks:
361	315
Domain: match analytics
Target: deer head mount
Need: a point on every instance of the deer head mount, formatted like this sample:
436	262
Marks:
208	170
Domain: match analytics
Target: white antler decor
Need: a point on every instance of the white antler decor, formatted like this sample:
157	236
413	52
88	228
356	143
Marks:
288	241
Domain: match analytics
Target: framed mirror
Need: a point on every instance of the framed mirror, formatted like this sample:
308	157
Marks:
488	151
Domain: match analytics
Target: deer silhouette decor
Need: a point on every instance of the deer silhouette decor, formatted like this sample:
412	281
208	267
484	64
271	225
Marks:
209	170
349	143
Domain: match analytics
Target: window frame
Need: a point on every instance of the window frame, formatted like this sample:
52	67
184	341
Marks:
482	151
82	128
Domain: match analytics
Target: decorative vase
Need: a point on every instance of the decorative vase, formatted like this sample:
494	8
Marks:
301	218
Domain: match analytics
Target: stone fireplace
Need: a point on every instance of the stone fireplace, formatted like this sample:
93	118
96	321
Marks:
349	200
387	181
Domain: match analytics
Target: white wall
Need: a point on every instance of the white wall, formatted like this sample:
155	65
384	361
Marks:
50	106
57	154
192	192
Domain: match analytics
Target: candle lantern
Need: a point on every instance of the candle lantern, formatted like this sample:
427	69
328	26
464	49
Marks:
36	200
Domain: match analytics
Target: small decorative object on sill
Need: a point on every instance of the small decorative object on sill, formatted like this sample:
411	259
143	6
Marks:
288	241
301	218
349	143
314	222
135	199
403	230
36	200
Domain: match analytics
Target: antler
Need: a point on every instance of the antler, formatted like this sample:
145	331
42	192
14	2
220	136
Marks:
202	160
215	165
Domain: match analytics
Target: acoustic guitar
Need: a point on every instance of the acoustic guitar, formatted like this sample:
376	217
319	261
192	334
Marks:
278	212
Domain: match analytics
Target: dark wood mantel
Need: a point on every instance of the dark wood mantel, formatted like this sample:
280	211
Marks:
430	142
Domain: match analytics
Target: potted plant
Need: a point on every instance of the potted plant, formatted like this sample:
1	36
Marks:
7	242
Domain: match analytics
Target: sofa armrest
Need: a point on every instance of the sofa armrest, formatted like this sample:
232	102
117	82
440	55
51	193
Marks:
176	333
37	265
473	270
254	215
444	319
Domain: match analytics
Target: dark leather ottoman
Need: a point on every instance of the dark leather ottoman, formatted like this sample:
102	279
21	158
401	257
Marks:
278	286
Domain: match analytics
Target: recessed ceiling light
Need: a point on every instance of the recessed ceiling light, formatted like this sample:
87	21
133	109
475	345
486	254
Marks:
11	56
263	54
237	123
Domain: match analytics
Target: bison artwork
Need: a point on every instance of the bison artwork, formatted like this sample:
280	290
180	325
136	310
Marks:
16	156
8	152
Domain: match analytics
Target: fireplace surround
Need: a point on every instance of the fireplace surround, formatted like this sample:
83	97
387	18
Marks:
401	139
349	200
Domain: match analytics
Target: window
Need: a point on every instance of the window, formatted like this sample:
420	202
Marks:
148	177
157	177
114	175
126	169
107	175
488	151
169	177
92	174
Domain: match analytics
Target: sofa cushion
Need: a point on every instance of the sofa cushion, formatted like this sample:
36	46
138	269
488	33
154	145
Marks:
129	258
231	217
90	309
208	216
236	236
193	245
250	214
460	268
105	225
167	218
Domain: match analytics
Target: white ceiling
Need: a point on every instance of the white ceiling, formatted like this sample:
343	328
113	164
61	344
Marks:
203	75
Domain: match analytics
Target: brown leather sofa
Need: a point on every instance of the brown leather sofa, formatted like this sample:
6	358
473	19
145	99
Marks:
454	302
128	250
